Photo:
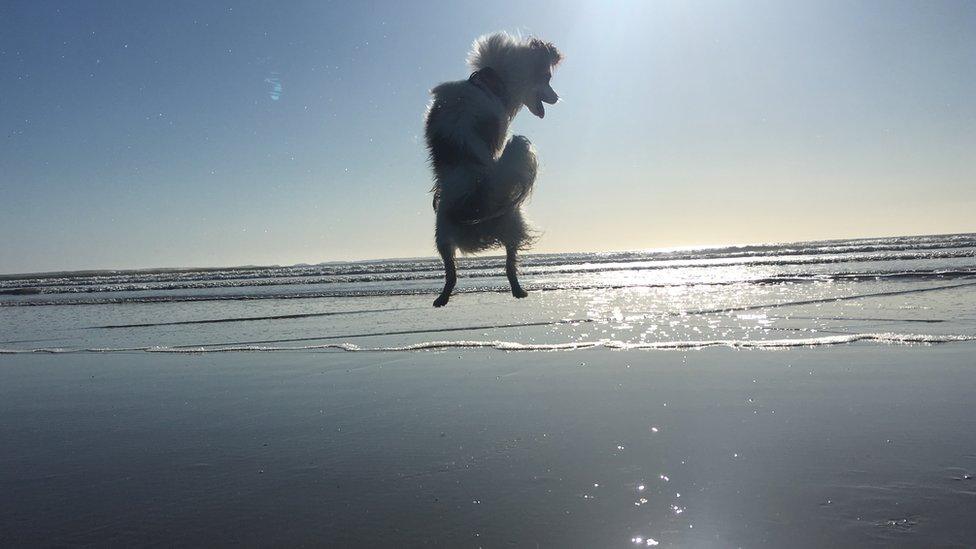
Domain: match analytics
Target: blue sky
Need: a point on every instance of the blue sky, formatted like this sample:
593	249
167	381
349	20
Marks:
147	134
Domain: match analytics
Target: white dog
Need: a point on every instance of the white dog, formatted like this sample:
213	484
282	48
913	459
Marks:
480	180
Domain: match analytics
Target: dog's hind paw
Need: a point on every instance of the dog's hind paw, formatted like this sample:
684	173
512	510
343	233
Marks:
519	293
441	300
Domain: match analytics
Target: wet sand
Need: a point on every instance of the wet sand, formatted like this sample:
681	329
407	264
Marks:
839	446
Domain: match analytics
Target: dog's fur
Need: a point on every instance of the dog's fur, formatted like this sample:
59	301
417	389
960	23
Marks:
480	181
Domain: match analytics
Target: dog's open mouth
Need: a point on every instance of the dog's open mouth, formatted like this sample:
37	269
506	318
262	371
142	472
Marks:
536	107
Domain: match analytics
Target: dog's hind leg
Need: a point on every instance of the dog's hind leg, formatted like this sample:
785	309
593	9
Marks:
450	273
511	270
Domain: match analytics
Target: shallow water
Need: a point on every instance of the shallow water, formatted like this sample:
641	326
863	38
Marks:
891	290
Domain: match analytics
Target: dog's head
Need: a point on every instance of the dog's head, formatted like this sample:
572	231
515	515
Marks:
525	66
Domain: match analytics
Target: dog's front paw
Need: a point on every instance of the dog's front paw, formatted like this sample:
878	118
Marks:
519	293
519	158
521	141
442	300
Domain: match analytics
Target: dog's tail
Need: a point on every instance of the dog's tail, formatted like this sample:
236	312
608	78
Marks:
500	211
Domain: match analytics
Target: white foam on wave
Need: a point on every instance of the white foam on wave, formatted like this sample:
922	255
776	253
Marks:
928	257
884	338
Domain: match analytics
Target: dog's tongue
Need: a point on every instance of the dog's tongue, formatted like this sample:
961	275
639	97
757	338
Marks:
536	108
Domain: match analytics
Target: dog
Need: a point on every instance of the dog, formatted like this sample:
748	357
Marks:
481	177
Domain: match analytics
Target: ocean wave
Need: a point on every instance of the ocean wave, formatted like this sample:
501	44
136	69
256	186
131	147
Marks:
249	318
897	259
821	341
156	286
885	249
831	299
500	287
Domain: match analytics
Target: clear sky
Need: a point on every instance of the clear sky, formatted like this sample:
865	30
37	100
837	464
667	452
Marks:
147	134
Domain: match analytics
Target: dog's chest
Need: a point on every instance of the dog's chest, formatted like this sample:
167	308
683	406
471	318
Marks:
465	129
492	130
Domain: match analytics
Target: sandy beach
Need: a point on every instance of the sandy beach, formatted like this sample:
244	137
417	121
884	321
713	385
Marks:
843	446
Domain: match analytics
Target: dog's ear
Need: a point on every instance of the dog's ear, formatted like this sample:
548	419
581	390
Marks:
552	54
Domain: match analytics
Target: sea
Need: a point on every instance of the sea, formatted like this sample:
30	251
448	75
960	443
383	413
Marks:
906	290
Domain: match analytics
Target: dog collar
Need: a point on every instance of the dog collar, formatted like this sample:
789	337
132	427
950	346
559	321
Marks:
489	80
